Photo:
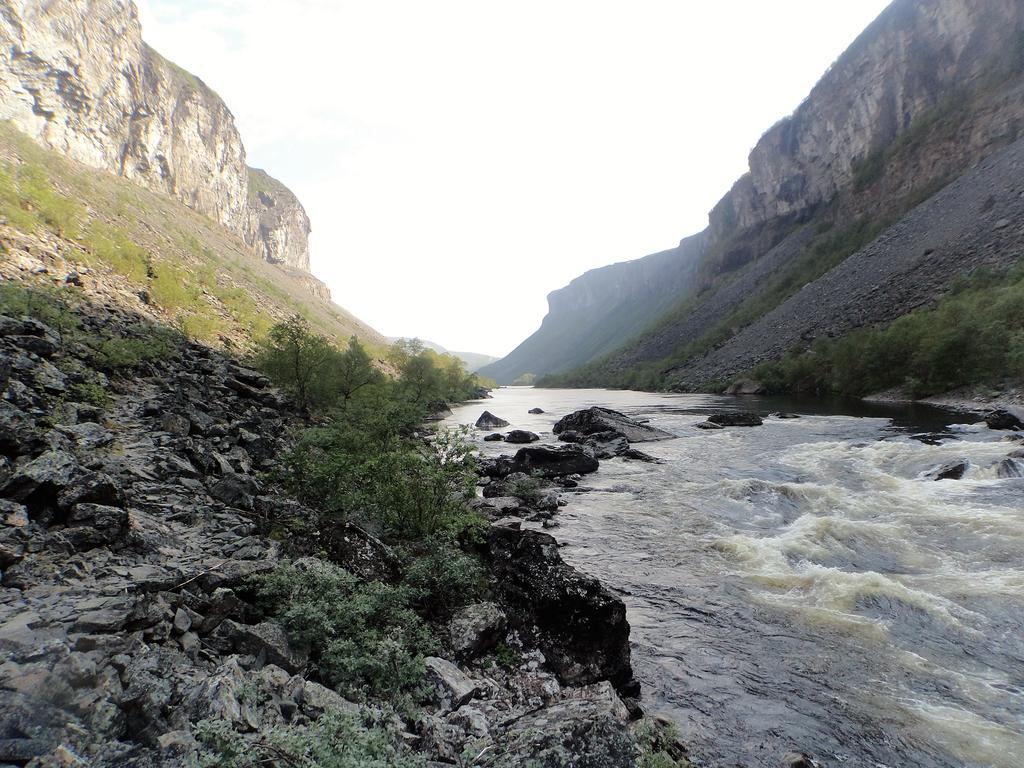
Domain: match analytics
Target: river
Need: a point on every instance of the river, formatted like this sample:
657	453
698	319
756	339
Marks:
800	586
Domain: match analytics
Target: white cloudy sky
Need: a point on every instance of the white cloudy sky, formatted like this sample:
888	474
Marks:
460	159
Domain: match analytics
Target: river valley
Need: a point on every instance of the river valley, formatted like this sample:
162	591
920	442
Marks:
801	585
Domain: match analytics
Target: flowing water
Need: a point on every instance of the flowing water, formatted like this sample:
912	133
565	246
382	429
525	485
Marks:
800	585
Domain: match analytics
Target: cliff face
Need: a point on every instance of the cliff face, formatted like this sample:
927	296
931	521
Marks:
77	77
927	91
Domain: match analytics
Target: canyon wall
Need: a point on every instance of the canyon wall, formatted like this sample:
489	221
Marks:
76	76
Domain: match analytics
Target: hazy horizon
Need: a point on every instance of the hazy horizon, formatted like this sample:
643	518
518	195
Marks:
459	161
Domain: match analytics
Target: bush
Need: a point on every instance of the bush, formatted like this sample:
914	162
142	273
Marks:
51	306
365	637
62	214
172	288
114	248
118	353
444	578
335	740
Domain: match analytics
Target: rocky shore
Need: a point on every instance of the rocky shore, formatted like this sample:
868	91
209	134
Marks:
135	505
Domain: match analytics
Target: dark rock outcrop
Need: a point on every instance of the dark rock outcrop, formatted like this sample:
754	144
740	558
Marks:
951	470
488	420
543	461
1003	419
521	436
598	419
736	419
580	625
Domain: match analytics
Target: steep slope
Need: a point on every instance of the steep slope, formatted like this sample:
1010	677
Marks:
78	78
926	91
601	310
147	252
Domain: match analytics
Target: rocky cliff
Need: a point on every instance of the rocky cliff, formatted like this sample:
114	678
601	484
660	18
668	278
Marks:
927	91
76	76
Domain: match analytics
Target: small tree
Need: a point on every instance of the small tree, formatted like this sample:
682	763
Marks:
354	370
296	358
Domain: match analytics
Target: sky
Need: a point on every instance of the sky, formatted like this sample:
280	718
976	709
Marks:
460	159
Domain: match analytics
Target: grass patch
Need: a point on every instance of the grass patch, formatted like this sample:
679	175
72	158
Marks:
112	246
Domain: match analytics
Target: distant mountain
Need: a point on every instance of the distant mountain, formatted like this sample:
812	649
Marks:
836	225
473	360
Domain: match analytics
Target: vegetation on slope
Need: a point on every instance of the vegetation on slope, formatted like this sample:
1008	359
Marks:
974	335
187	270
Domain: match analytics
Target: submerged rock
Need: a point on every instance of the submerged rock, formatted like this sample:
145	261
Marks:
596	419
494	437
1009	468
536	411
488	420
951	470
736	419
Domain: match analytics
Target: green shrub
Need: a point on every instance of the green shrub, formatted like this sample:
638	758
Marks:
335	740
52	306
119	353
172	288
11	203
365	637
91	392
526	488
113	247
202	327
444	578
62	214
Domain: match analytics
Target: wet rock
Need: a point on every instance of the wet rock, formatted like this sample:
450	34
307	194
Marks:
1010	468
708	425
951	470
521	436
476	629
606	445
536	411
597	419
787	415
1003	419
488	420
453	686
579	624
494	437
543	461
1018	454
736	419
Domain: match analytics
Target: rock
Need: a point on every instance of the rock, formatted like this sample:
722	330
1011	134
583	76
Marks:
1009	468
95	525
494	437
597	419
745	387
488	420
579	624
266	641
37	483
736	419
11	514
1003	419
88	436
536	410
18	433
1018	454
548	461
235	490
606	445
92	488
453	685
521	436
476	629
798	760
708	425
951	470
176	424
787	415
438	410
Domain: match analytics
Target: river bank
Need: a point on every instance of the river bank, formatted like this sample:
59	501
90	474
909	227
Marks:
803	585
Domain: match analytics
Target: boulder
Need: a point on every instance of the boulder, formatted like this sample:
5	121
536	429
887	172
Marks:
597	419
745	387
1003	419
549	461
736	419
494	437
235	490
787	415
38	483
92	488
176	424
438	410
579	625
521	436
708	425
488	420
266	641
454	687
476	629
1009	468
536	411
951	470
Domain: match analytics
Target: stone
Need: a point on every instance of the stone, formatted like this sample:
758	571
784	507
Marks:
14	515
1003	419
598	419
488	420
736	419
951	470
1008	468
787	415
548	461
453	685
494	437
37	483
476	628
521	436
92	488
580	625
708	425
235	490
88	436
176	424
266	641
536	411
798	760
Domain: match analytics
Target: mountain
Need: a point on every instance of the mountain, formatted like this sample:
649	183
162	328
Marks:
837	224
78	78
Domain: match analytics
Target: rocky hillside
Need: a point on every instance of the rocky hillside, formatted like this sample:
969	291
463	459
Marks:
79	79
925	92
